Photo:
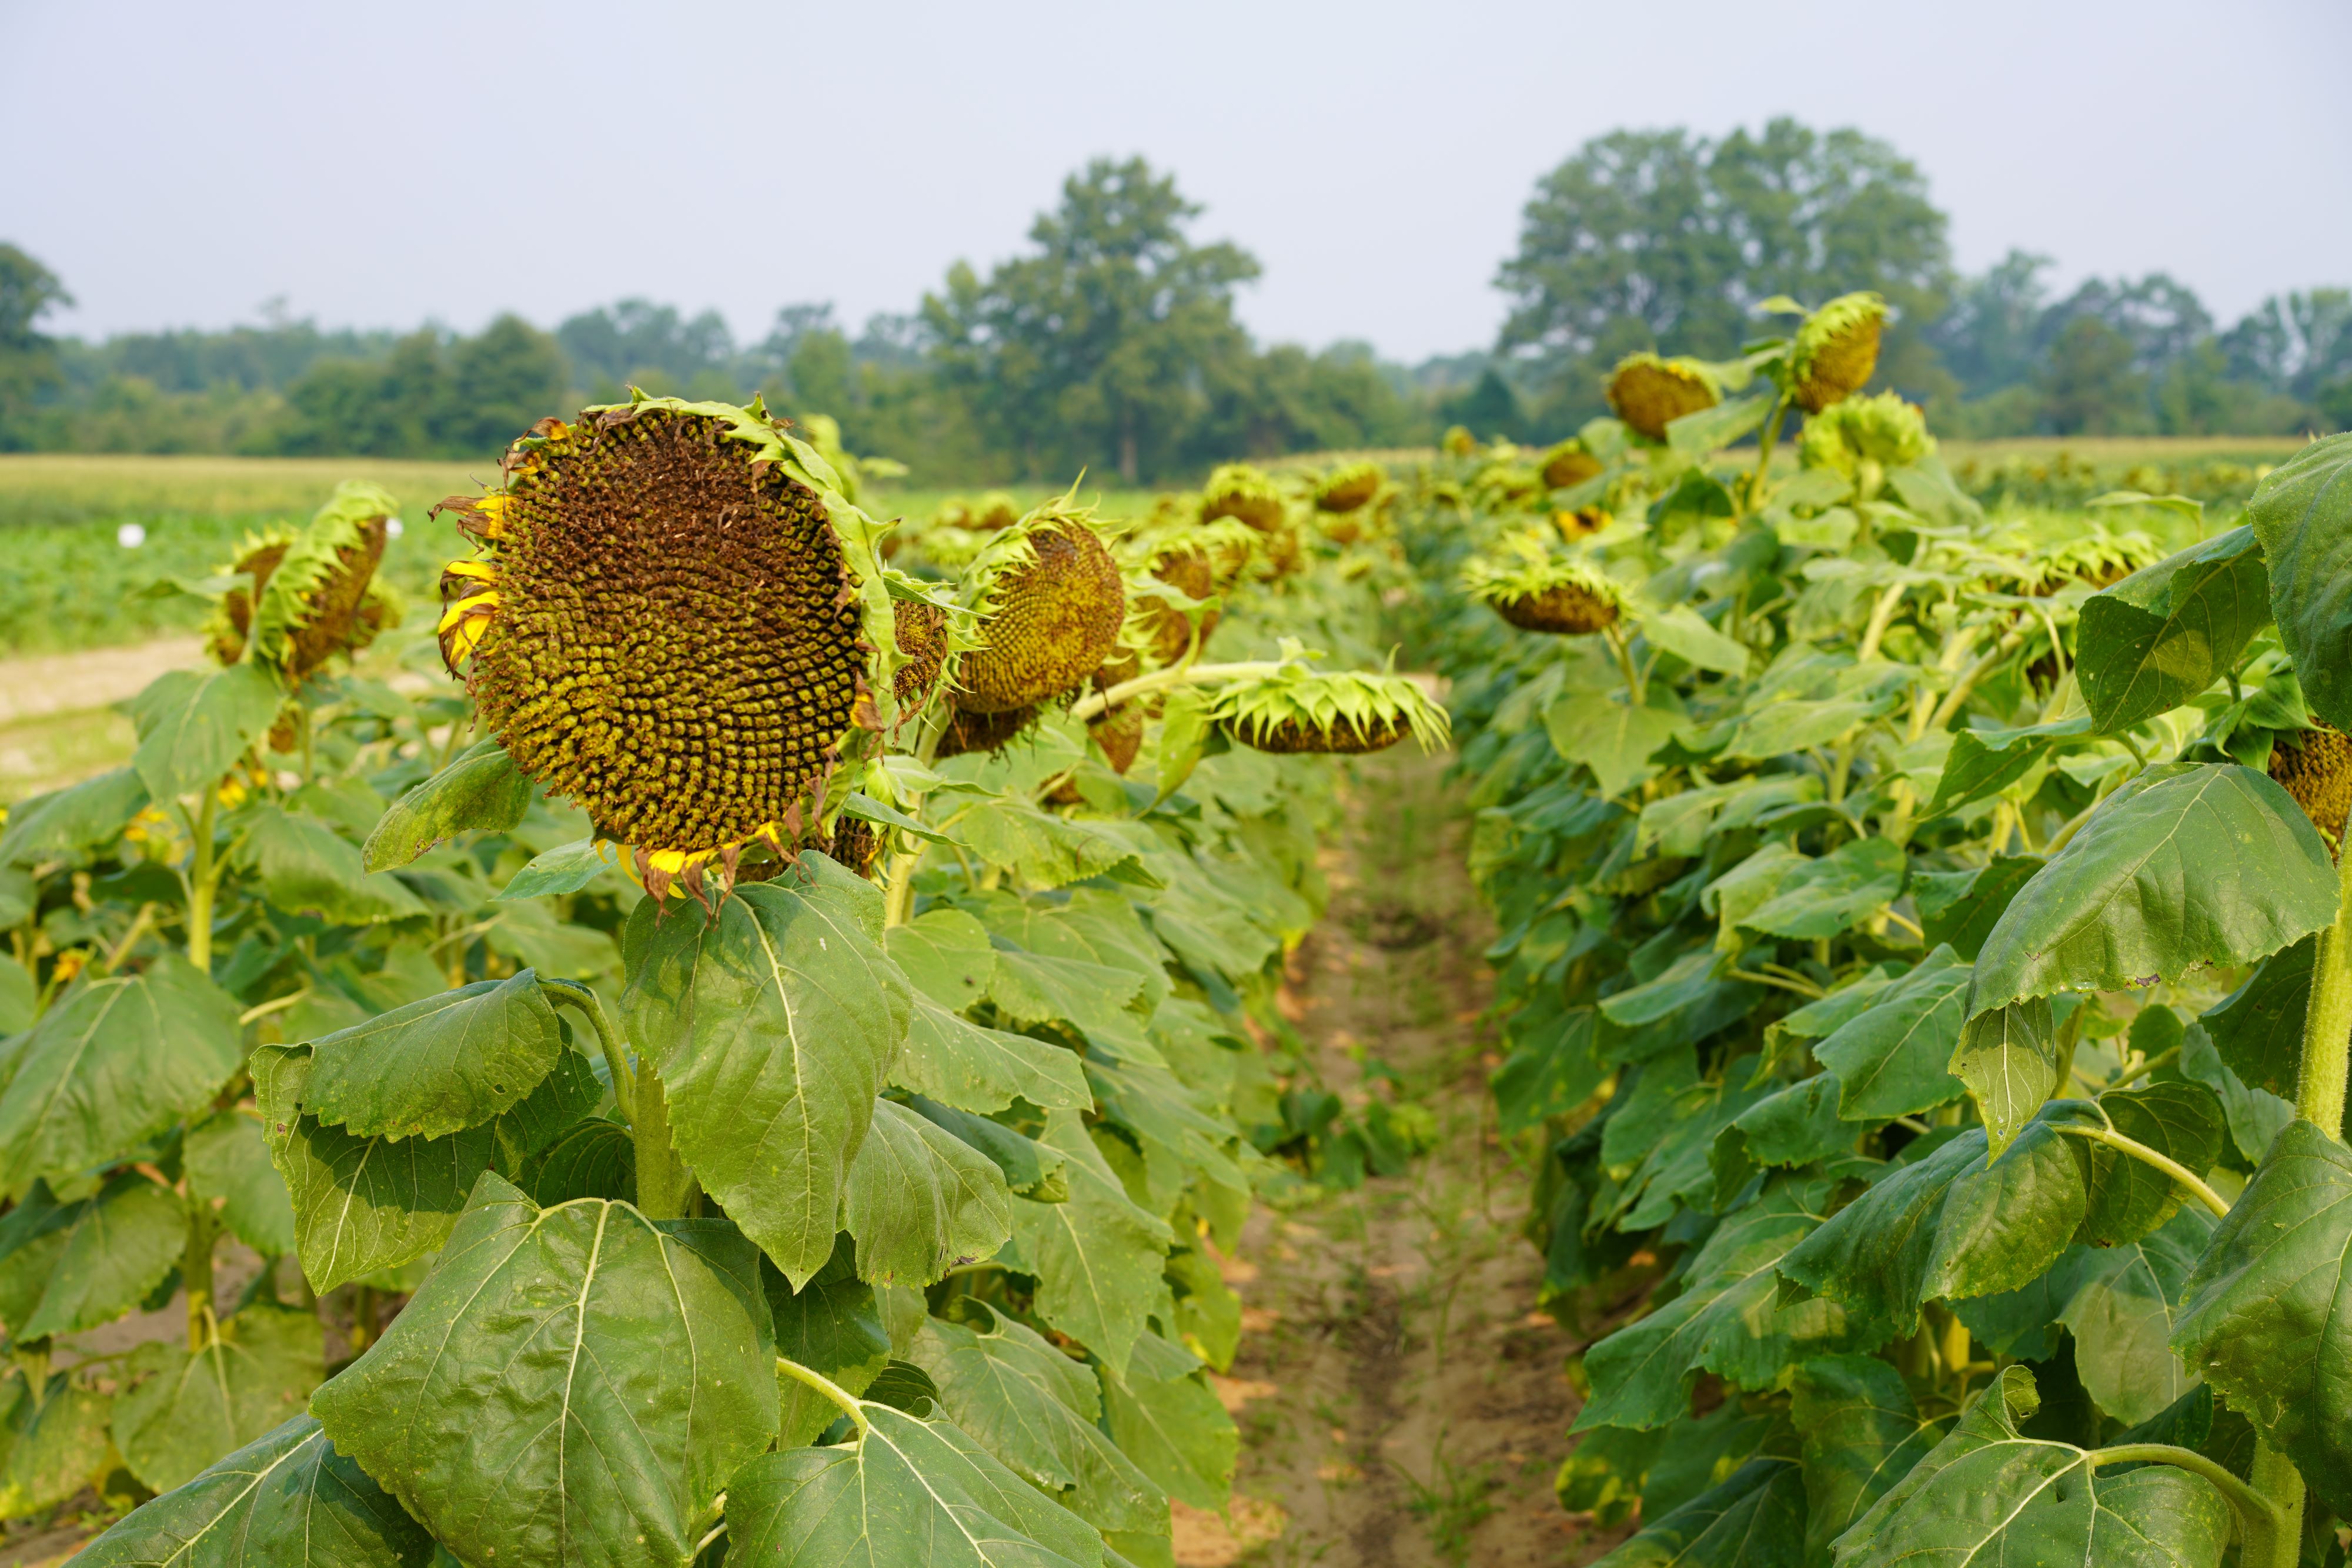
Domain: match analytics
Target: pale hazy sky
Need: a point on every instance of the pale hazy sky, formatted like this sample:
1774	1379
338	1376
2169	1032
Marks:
178	164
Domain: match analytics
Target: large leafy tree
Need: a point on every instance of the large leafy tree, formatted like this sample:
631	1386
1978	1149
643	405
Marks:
29	361
1663	240
1101	346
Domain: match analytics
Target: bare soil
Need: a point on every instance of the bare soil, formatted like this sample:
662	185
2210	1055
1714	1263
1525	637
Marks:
1401	1401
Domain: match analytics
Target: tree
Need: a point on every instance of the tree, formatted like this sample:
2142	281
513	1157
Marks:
1662	240
1098	349
2089	387
497	385
639	343
1990	338
29	361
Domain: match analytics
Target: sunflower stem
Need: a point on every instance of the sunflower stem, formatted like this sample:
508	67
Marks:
583	1001
899	889
201	881
1174	675
664	1185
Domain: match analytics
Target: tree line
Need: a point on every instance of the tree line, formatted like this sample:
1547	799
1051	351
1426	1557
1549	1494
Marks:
1113	343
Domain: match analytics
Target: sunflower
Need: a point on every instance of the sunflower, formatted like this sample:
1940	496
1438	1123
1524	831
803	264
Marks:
1297	710
1882	430
671	627
1568	464
1050	601
2099	559
2315	766
1348	487
1238	490
1537	591
314	595
1836	349
1649	393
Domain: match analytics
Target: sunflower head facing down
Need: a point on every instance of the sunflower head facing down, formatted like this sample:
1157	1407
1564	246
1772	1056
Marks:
670	627
1835	351
314	595
1050	601
1649	393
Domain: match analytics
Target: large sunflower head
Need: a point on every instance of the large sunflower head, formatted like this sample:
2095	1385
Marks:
1536	589
1649	393
1050	601
1297	708
675	626
1348	487
314	595
1238	490
1835	351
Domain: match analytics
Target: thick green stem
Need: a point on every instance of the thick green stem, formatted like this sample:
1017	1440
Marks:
2327	1024
583	1001
833	1391
197	1272
2275	1477
2271	1536
201	881
665	1186
898	879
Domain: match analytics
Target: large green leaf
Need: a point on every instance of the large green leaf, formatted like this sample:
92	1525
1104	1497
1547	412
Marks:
1166	1418
1872	1254
1825	896
118	1245
2180	1120
194	724
227	1157
920	1200
949	1058
2009	1060
363	1205
1961	908
2166	633
1892	1057
1984	762
78	817
2302	513
1861	1432
482	789
1607	735
437	1066
1755	1519
1725	1319
2003	1222
179	1411
1029	1167
1048	851
773	1022
286	1500
1989	1494
573	1384
1097	1256
947	955
833	1326
2188	866
2122	1318
306	867
906	1494
2258	1028
112	1064
2254	1116
2266	1316
1037	1411
50	1447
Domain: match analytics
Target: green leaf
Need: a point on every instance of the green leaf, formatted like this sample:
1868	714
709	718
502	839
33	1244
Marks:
949	1058
1755	1519
193	725
1780	728
1959	909
1987	1493
1030	1169
1725	1320
569	1385
906	1494
2258	1028
947	955
19	997
113	1063
1166	1417
1595	729
920	1200
439	1066
773	1022
2129	1197
1046	850
481	789
365	1205
1892	1057
2188	866
2002	1224
53	1446
1872	1254
2266	1316
2009	1060
1037	1411
1984	762
1861	1433
1552	1067
119	1247
529	932
2166	633
1826	896
1692	638
1096	1257
179	1411
594	1158
2255	1115
833	1326
566	867
78	817
2122	1319
866	809
286	1500
227	1161
306	867
2301	512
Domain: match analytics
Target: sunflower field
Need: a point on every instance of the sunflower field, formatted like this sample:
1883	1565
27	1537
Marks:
1925	972
740	1053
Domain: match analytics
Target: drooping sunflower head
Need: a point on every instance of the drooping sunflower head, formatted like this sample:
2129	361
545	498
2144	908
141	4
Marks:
672	626
1836	349
1882	430
1299	709
1050	602
1567	465
1649	393
1238	490
314	595
1197	560
2099	559
1348	487
1537	588
2315	766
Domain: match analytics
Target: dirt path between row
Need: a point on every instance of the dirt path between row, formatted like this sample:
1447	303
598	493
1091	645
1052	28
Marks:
1401	1402
53	684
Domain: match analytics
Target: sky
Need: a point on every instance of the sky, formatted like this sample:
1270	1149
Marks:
379	165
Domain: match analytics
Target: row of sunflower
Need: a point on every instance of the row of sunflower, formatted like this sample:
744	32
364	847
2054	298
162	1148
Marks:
791	1030
1924	972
